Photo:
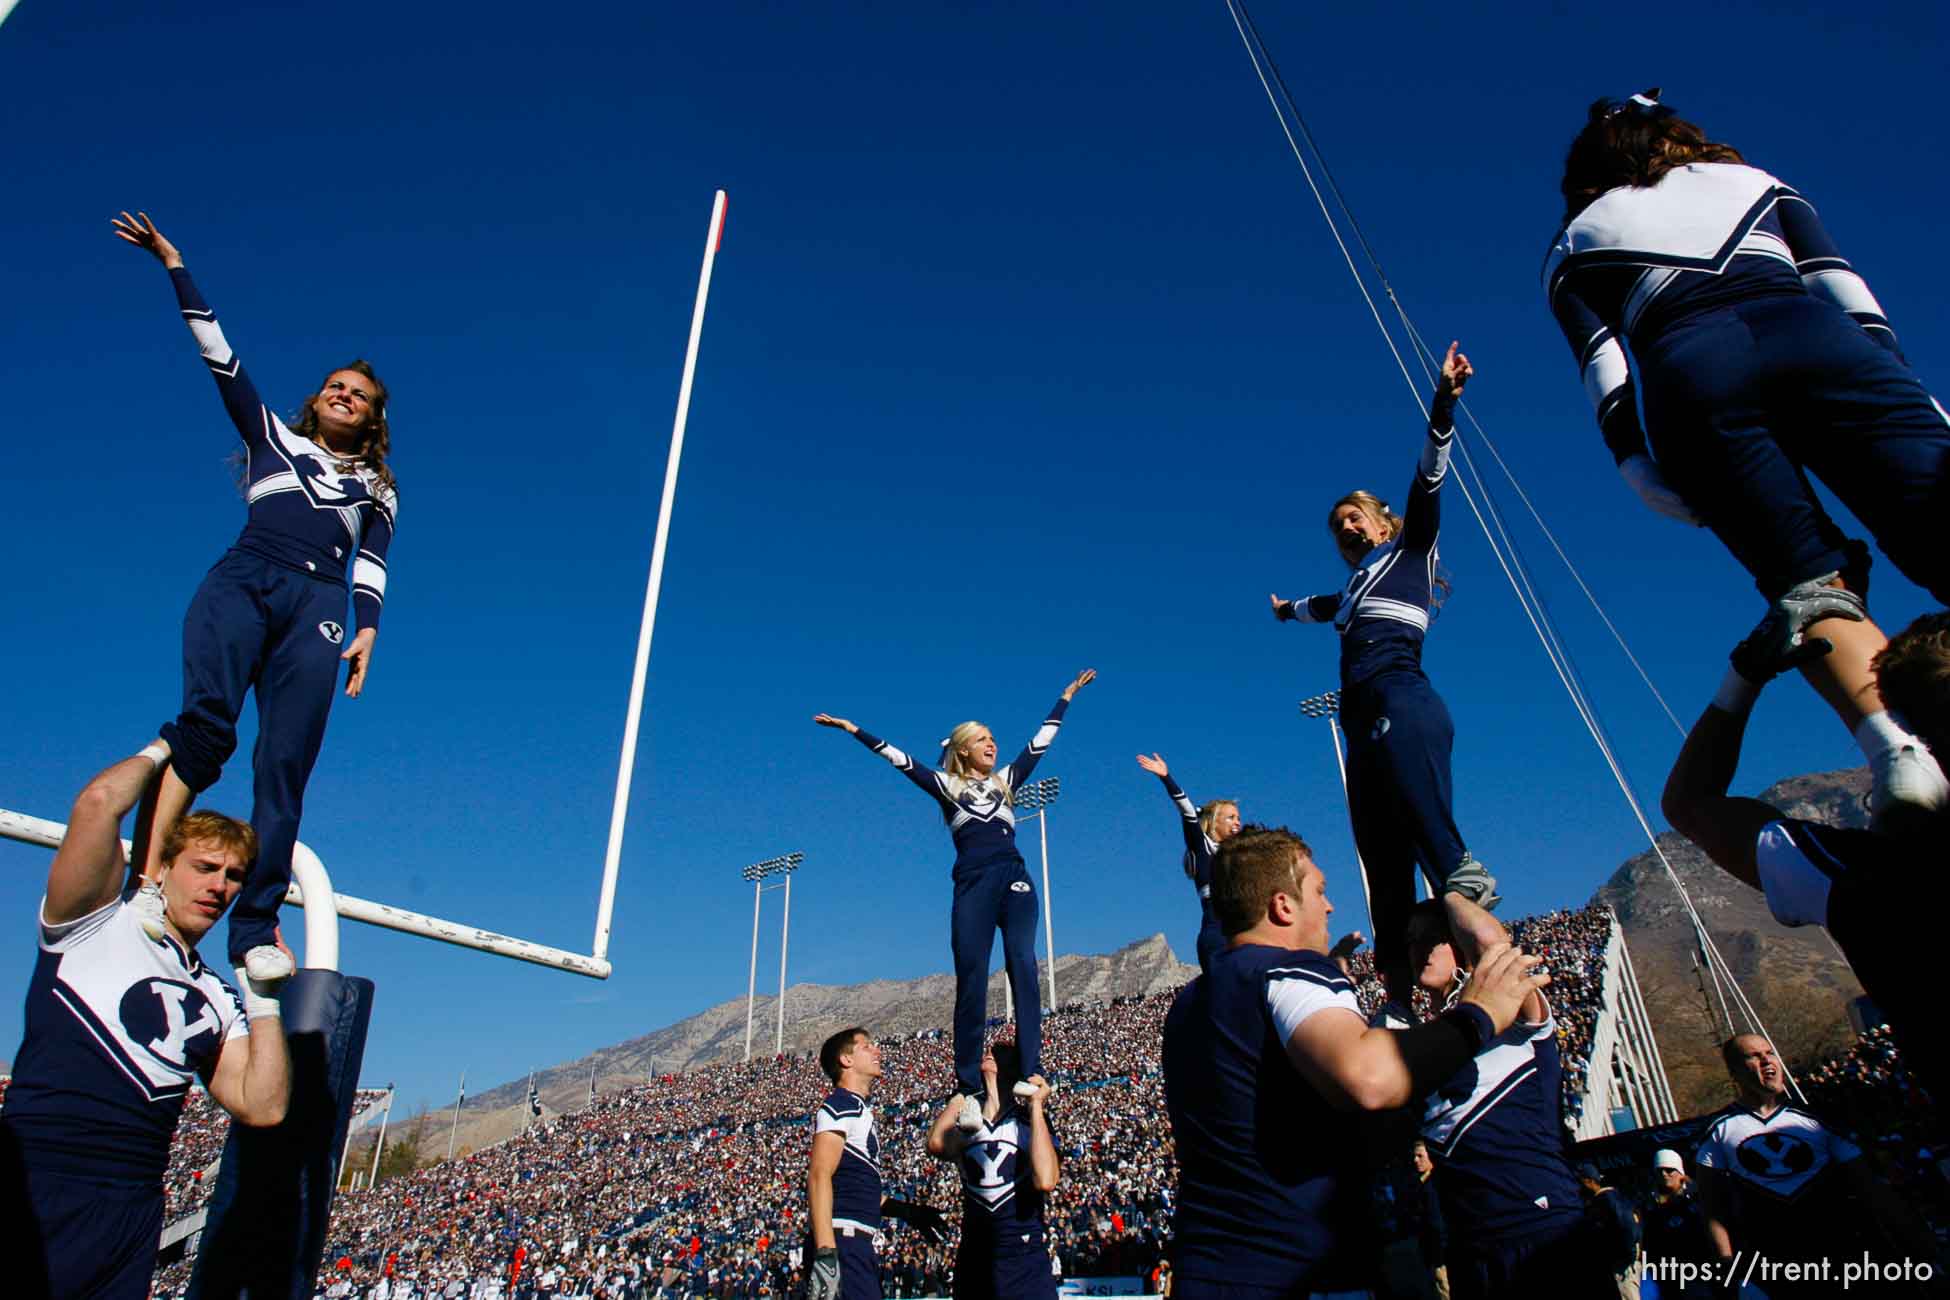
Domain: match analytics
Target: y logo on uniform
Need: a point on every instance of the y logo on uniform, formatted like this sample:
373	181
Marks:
172	1021
331	631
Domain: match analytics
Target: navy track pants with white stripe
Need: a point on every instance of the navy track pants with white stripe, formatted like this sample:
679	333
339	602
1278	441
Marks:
1399	794
989	896
1742	402
255	625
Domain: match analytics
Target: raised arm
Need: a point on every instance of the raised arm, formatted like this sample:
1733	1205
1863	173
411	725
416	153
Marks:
1422	516
253	1080
1187	810
1044	1166
89	869
945	1139
924	777
1696	801
1024	763
1826	274
240	399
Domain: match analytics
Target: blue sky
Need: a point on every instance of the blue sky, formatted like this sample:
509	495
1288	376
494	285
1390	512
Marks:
1026	352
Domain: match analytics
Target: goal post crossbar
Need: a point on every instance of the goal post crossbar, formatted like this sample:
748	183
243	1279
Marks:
36	830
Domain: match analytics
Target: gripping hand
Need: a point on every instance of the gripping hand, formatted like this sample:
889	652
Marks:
1779	641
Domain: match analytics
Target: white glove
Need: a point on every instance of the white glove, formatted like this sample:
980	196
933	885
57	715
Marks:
1645	479
823	1278
260	995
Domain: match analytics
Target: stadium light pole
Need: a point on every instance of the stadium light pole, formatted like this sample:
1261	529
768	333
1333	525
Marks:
1038	796
1327	705
757	873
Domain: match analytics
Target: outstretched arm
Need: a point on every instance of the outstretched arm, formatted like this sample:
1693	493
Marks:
1187	810
924	777
240	399
1306	609
1422	517
89	870
1044	1166
1018	771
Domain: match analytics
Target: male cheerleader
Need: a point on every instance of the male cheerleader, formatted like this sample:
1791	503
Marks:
117	1025
843	1184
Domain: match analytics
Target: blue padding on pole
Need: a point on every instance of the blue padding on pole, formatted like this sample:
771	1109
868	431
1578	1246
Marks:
266	1230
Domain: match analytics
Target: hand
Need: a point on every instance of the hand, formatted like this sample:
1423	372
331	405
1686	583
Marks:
823	1278
359	654
1456	371
1501	982
1779	641
1645	479
142	232
1084	679
1347	945
1154	764
828	720
1282	609
1035	1090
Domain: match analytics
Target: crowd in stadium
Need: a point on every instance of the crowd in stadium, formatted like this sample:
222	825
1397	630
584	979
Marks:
695	1182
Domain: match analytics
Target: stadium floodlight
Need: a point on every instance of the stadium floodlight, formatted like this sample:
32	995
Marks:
1037	796
595	963
1327	705
757	873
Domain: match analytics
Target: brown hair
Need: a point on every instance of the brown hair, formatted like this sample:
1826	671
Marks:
378	442
1375	508
1624	145
1250	868
1913	673
840	1044
205	826
1372	506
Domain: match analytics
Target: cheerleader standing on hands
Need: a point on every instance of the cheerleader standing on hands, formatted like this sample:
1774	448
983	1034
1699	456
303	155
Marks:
992	885
1760	356
269	616
1399	735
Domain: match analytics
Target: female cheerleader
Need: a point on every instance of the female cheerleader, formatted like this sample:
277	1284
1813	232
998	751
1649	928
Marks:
269	615
992	886
1760	356
1399	735
1205	830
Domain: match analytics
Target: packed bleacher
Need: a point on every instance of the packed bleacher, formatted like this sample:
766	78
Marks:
693	1184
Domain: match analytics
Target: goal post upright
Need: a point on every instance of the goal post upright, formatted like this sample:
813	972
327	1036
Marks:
625	769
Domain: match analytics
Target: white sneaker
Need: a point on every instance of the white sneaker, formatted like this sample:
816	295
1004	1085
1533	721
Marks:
268	964
1026	1089
970	1118
148	908
1903	781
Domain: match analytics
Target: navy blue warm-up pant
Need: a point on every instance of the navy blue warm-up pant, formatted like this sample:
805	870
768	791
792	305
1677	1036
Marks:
989	896
1399	794
1742	402
255	625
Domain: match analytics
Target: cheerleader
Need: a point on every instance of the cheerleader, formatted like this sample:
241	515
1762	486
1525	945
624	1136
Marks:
269	615
992	886
1760	357
1398	729
1205	830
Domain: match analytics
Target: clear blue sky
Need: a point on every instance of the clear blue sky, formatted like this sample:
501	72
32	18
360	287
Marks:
1026	352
